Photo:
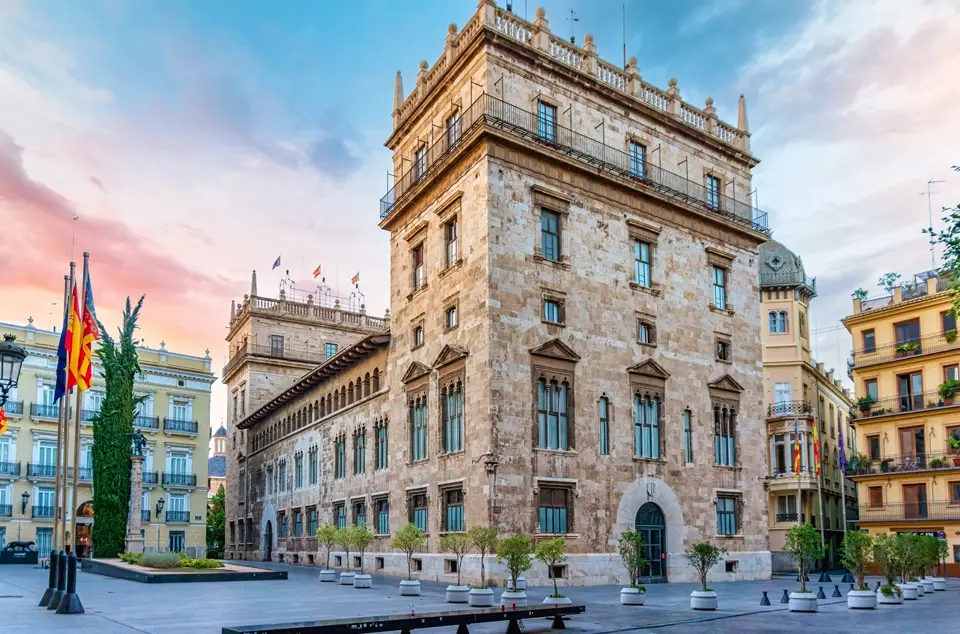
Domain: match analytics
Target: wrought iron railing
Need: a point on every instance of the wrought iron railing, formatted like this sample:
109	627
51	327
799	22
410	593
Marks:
42	470
789	408
489	110
875	302
904	511
180	479
10	469
906	403
146	422
43	511
145	515
790	474
180	426
788	517
13	408
178	516
913	290
150	477
938	342
41	410
923	461
6	510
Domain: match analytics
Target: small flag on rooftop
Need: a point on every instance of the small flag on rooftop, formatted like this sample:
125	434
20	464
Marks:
316	272
355	279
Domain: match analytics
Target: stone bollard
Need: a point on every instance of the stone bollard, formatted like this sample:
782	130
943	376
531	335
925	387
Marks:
825	578
785	598
836	592
820	594
765	600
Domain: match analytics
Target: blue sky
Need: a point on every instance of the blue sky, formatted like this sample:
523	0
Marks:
198	140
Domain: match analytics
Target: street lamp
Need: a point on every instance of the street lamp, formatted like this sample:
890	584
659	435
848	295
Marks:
160	504
23	503
11	360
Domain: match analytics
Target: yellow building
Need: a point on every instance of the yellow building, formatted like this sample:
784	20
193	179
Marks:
905	350
175	417
801	393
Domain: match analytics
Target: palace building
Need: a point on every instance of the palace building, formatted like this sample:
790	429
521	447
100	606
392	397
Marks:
572	347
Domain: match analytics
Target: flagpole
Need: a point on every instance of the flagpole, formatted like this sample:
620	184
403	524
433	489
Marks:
66	420
798	458
62	412
81	292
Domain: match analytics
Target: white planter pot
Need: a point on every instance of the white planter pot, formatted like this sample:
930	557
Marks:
480	598
520	583
362	581
346	578
861	600
803	602
557	601
457	594
512	598
909	590
703	600
927	585
893	599
939	583
328	575
409	588
632	596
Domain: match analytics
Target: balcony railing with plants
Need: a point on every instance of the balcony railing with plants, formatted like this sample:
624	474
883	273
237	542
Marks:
924	461
868	408
905	511
180	517
498	114
146	422
180	479
42	470
789	408
43	512
180	426
10	469
928	344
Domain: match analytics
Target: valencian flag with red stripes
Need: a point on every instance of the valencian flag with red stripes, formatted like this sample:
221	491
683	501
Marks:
816	447
3	421
71	339
796	447
89	333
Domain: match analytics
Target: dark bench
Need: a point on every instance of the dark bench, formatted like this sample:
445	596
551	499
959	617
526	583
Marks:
407	622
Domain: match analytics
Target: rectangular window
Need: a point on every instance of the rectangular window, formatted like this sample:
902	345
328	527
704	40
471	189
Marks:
641	263
418	429
451	405
359	452
276	345
451	235
418	511
550	235
453	130
282	476
726	516
298	471
645	332
314	472
552	312
876	496
908	332
453	511
281	525
555	516
418	270
359	513
646	426
311	521
687	437
910	391
450	318
340	458
340	515
547	122
552	408
638	160
949	321
723	350
383	517
604	425
720	287
298	523
870	388
713	192
915	501
329	349
724	429
869	341
382	447
954	492
44	540
419	162
950	373
417	336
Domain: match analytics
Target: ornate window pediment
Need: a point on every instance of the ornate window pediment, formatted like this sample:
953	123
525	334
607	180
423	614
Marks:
556	349
448	355
726	383
650	369
416	371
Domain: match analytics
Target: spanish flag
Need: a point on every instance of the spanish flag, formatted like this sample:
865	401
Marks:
71	339
796	447
90	333
816	447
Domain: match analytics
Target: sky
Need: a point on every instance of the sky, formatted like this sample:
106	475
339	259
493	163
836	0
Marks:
196	141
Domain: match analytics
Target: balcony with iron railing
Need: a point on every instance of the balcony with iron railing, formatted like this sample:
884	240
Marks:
929	344
177	517
180	479
146	422
87	415
496	114
6	510
909	511
907	463
43	411
150	478
175	426
782	518
41	470
13	408
145	515
43	512
789	408
905	404
10	469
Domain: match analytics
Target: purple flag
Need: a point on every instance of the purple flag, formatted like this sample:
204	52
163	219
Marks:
843	456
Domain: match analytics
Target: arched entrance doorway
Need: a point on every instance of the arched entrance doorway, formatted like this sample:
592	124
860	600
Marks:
85	529
651	524
268	538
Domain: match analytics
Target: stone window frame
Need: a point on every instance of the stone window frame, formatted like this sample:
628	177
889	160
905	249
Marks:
359	462
717	258
375	500
723	347
604	423
411	495
354	503
335	508
420	245
631	140
417	324
442	492
557	297
709	173
650	321
314	520
648	387
451	210
571	493
297	514
737	498
417	391
381	456
451	303
452	378
719	405
340	455
553	103
649	234
558	203
553	360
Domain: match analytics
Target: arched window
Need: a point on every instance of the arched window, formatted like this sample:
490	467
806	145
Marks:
343	396
316	410
777	321
782	321
552	402
773	321
646	426
323	407
418	428
358	388
724	435
376	379
366	384
336	401
350	398
451	408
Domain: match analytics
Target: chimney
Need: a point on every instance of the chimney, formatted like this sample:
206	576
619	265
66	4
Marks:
397	98
742	115
253	284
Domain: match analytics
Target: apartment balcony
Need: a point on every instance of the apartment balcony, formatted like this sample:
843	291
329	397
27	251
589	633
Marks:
145	515
496	114
146	422
922	285
43	512
41	411
87	415
789	409
787	481
13	409
175	426
906	404
909	463
178	517
150	478
10	469
6	510
909	511
787	518
180	479
945	341
41	471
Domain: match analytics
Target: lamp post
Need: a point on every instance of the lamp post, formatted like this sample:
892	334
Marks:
24	498
11	361
159	509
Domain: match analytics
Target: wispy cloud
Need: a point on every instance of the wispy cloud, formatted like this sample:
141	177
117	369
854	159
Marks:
707	12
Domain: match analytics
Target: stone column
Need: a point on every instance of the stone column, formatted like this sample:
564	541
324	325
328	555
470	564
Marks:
134	539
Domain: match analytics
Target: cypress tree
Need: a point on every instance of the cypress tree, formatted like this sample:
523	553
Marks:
111	446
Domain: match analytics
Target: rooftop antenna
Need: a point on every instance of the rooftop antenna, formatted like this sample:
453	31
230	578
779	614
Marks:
573	18
623	8
928	193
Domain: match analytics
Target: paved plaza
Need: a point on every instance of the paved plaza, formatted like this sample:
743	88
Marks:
118	606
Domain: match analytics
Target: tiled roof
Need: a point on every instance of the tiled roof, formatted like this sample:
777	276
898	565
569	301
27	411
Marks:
221	431
217	467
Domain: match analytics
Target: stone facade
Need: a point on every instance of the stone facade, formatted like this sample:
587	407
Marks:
573	336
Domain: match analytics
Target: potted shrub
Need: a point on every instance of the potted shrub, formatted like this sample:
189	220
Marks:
864	403
514	553
552	553
362	538
954	444
630	548
936	463
856	555
409	540
485	540
947	389
903	553
344	539
908	349
885	559
458	544
941	551
326	537
703	556
803	545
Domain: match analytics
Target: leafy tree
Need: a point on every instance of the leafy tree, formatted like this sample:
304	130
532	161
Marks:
885	556
485	540
888	282
361	538
326	536
216	513
703	556
514	553
630	547
949	238
459	544
856	555
552	552
861	294
344	539
409	540
111	446
803	545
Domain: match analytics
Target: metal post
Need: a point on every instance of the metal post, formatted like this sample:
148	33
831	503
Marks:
76	418
61	581
70	603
